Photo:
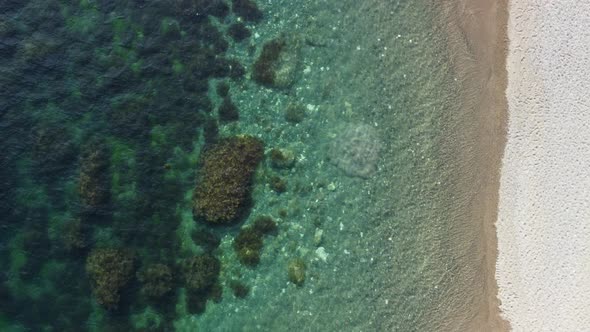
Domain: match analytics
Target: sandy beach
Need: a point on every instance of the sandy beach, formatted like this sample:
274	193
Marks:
477	39
543	267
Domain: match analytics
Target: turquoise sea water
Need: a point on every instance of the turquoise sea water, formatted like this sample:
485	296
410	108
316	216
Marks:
110	109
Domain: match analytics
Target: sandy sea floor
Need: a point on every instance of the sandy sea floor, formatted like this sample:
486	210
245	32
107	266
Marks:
398	259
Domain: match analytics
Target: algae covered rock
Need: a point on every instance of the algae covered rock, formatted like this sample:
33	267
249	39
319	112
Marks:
228	111
282	158
94	185
278	184
109	271
294	113
225	178
239	289
249	241
278	64
199	9
238	32
247	9
73	236
248	244
156	279
201	272
265	225
296	271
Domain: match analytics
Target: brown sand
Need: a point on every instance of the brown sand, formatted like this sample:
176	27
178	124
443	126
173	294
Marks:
477	40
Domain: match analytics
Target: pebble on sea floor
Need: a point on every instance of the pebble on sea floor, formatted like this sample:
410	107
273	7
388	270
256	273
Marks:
318	236
322	254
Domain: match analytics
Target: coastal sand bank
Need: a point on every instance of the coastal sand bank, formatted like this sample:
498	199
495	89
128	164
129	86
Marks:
543	267
477	40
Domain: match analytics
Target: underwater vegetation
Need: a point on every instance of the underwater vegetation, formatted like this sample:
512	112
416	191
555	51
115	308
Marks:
247	9
200	274
239	289
248	244
222	89
282	158
53	148
278	184
207	240
265	225
94	183
238	31
200	9
210	131
228	111
294	113
225	179
109	271
73	235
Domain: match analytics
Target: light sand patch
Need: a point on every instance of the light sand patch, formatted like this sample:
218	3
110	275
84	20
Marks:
543	267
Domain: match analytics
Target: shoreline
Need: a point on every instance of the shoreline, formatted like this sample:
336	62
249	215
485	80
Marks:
477	31
543	269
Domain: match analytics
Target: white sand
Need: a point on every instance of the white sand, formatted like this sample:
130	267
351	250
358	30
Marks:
543	267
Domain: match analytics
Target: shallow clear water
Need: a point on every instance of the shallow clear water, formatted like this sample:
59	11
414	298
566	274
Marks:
109	110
